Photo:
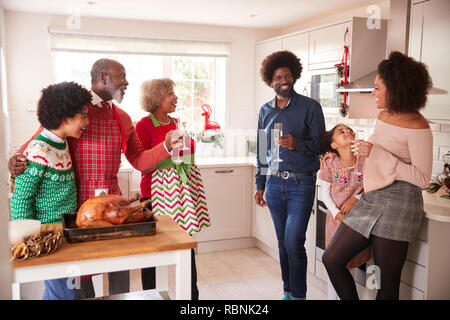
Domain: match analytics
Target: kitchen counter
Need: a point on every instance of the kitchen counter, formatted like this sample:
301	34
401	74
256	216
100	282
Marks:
436	208
207	162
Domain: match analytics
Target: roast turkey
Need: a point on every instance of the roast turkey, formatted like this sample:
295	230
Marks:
112	209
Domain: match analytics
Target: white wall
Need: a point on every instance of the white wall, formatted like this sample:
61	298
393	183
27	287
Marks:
5	266
343	15
30	66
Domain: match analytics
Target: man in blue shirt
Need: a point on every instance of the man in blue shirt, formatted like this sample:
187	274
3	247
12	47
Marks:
289	184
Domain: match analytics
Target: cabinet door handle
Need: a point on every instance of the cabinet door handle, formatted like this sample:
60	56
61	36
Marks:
224	171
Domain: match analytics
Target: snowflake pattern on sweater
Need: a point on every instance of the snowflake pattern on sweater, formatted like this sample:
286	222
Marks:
47	188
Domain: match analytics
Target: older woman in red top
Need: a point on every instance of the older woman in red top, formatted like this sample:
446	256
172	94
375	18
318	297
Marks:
175	185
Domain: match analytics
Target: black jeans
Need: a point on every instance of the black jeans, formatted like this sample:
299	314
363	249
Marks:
119	282
148	275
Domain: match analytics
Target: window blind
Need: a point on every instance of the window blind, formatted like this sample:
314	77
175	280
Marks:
89	43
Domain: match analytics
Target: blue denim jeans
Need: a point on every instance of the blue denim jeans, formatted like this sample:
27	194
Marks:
290	202
57	289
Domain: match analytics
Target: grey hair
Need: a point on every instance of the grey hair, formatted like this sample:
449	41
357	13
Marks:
153	91
99	66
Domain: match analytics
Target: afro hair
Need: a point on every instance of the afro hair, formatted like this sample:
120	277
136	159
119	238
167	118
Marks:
407	82
61	101
277	60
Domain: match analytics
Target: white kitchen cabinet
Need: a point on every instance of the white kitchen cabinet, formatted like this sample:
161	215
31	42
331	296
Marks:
129	182
134	184
407	292
413	281
264	93
429	42
310	243
262	224
299	45
326	45
228	195
123	177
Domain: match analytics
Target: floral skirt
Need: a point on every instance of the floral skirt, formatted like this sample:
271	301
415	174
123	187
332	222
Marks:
331	227
185	203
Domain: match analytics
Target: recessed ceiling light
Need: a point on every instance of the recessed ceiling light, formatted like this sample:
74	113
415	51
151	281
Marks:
253	15
90	3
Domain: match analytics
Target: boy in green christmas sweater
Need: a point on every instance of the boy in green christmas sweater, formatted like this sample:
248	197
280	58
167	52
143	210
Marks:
47	188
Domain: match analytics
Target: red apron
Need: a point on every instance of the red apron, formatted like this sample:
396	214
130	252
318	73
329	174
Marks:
96	157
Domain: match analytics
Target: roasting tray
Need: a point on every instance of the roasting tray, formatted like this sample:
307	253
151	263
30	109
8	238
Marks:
74	234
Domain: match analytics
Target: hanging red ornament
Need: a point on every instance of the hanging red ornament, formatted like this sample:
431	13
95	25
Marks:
343	72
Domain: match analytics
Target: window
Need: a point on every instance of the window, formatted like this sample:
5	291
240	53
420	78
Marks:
75	66
199	76
198	82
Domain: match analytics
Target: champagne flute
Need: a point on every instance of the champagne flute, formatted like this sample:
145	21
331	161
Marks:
359	135
181	127
186	137
176	151
277	133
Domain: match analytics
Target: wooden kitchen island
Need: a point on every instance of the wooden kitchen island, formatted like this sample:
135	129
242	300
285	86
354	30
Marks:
169	246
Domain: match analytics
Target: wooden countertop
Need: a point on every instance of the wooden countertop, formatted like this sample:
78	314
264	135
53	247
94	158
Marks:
169	236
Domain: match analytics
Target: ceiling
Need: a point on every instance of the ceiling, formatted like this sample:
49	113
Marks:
272	14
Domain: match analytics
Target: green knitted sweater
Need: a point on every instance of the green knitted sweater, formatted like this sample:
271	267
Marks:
47	188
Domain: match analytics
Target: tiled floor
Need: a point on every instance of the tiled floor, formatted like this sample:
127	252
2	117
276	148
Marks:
246	274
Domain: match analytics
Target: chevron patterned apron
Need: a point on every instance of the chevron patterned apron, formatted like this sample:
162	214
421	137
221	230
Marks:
177	191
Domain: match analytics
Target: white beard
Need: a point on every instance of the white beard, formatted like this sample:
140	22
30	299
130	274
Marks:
117	95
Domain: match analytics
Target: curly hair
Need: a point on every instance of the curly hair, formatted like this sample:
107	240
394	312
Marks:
327	138
61	101
277	60
153	91
407	82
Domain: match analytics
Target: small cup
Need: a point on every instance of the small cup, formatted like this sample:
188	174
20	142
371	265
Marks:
100	192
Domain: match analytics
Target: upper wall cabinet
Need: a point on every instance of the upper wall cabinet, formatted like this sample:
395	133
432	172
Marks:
298	44
263	92
429	42
319	50
327	44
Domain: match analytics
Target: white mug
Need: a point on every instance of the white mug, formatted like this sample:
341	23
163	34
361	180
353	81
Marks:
101	192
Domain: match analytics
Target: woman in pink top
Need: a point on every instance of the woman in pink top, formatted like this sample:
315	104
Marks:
398	164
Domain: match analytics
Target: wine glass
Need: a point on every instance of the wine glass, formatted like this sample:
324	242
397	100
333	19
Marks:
277	132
